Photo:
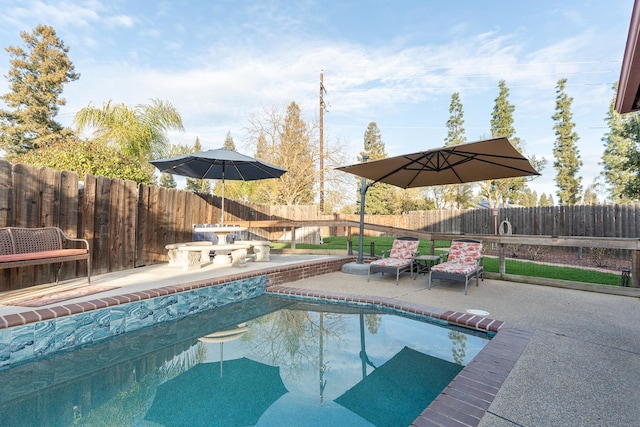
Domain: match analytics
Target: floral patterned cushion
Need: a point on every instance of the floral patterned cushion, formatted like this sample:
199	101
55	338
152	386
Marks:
464	251
455	267
404	249
391	262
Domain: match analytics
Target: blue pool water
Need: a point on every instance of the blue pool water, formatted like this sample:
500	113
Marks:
266	362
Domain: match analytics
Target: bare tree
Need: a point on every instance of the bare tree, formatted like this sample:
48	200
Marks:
280	136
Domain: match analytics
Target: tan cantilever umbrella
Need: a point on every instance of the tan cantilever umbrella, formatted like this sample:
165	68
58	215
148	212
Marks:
457	164
475	161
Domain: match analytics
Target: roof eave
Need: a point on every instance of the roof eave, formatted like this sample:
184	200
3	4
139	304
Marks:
628	96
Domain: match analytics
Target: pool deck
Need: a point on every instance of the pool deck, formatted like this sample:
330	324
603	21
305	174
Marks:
579	363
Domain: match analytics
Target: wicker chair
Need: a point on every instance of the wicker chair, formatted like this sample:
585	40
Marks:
401	258
464	262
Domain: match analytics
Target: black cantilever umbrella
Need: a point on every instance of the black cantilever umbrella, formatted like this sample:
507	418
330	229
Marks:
219	164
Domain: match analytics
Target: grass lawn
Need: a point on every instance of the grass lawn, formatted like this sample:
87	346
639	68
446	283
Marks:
521	268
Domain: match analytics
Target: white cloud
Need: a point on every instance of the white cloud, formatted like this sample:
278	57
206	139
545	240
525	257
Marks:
264	54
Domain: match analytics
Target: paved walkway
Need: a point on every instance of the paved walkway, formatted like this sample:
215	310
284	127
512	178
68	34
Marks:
580	368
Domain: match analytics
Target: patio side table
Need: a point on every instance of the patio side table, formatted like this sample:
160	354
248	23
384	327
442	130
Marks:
424	263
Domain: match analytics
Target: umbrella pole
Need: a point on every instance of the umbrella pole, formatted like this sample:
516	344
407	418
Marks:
221	357
363	191
222	211
363	350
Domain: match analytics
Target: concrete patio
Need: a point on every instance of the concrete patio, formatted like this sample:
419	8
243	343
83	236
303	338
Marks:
581	366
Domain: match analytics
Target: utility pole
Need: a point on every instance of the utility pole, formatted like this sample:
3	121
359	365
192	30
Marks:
322	107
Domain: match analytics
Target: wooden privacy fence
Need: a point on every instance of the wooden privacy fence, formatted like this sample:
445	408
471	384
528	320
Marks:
128	225
594	221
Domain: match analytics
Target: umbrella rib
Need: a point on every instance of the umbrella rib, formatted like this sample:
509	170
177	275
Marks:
467	157
411	161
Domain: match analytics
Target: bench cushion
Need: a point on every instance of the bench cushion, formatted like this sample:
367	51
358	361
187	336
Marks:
59	253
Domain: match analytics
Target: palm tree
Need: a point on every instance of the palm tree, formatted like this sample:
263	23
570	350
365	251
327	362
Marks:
139	132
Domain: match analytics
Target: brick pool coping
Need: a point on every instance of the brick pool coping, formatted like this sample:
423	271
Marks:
275	276
462	403
466	399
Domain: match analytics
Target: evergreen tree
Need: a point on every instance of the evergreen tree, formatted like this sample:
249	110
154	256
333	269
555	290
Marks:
545	200
502	117
461	195
380	198
236	189
167	180
373	144
36	79
228	142
590	196
632	163
565	150
195	185
529	198
262	150
509	189
617	148
295	154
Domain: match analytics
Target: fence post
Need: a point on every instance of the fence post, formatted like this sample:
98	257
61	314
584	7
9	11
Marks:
635	269
293	237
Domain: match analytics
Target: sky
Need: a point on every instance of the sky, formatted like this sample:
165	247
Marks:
395	63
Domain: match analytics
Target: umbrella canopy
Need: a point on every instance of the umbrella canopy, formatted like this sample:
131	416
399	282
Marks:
219	164
475	161
399	390
202	396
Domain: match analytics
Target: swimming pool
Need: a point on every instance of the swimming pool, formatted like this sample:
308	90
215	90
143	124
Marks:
303	364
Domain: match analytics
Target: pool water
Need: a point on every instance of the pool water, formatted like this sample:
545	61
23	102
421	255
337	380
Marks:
266	362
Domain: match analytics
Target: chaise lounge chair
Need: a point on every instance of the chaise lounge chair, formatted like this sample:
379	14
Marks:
400	259
462	264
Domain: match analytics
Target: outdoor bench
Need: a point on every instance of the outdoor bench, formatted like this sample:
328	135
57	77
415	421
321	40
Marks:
190	255
197	254
21	247
261	249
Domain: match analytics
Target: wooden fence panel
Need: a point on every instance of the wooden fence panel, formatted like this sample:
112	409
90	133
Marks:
143	218
116	211
49	200
102	237
45	205
88	215
68	208
6	192
69	204
25	185
182	219
6	214
25	180
129	222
